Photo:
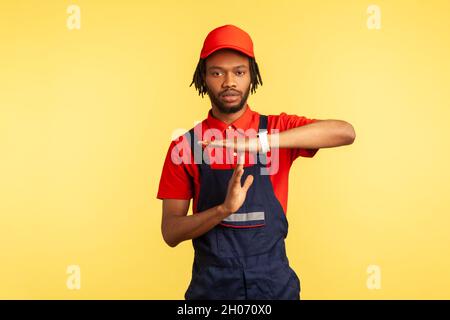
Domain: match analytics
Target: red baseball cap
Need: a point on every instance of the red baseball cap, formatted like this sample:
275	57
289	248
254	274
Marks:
227	36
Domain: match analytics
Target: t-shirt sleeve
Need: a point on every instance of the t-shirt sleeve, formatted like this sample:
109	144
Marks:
175	181
293	121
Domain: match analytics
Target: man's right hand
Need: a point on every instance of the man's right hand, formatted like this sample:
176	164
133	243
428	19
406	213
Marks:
177	226
236	193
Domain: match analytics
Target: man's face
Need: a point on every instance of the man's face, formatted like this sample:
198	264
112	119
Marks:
228	80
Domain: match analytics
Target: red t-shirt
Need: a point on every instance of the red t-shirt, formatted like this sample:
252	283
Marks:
181	180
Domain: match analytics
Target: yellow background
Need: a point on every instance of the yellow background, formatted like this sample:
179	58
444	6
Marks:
86	117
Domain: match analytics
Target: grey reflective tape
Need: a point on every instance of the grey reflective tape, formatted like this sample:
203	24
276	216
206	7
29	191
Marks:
247	216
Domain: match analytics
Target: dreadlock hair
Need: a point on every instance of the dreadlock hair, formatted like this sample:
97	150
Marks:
200	73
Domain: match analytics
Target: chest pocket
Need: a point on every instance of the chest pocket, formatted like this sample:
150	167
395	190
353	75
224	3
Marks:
244	233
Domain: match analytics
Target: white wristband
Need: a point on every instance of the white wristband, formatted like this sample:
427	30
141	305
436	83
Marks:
264	141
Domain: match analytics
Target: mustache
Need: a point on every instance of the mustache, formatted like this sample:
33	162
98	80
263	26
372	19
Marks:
230	93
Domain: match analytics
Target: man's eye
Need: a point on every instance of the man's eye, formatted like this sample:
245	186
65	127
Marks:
241	73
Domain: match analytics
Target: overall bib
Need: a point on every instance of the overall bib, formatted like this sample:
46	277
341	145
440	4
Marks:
244	256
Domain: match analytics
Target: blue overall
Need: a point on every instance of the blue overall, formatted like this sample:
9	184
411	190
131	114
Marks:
243	257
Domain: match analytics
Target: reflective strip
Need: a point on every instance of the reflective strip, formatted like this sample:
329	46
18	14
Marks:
243	217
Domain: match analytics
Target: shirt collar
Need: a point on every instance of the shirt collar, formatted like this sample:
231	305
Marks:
244	122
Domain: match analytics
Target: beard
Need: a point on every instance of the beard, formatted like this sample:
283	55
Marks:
223	108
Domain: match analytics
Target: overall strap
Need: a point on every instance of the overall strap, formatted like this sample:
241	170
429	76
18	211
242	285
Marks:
262	161
196	150
262	122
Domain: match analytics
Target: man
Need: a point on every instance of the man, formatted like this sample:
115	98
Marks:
237	228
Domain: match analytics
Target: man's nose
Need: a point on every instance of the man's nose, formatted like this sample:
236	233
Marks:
229	81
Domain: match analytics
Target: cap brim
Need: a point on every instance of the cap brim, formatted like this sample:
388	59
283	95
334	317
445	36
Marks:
242	50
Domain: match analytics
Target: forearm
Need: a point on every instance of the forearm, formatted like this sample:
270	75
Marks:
321	134
181	228
316	135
